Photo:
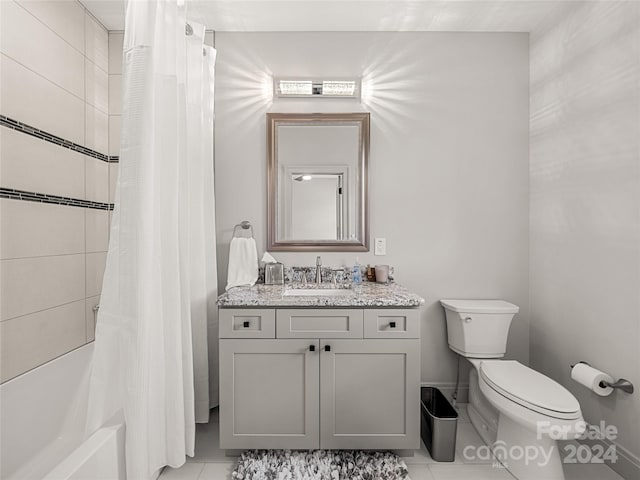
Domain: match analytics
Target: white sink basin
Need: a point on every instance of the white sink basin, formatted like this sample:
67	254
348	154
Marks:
318	292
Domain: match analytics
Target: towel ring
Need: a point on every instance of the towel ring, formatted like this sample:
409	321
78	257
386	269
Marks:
244	225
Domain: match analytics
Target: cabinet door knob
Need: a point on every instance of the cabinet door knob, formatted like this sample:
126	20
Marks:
327	348
468	320
392	324
312	348
245	324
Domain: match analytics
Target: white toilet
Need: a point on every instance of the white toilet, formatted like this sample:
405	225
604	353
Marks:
517	411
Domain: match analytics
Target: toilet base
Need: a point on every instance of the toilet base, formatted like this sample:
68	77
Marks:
484	417
526	455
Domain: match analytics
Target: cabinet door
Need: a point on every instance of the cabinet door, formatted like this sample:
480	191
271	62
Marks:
269	391
370	394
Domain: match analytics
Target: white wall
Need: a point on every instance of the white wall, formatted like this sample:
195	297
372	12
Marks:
585	206
449	158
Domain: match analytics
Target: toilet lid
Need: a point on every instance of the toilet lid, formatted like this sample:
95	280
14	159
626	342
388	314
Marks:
529	388
480	306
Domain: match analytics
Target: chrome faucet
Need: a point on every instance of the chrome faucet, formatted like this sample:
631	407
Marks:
318	270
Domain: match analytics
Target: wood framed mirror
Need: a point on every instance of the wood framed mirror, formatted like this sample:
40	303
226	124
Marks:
317	182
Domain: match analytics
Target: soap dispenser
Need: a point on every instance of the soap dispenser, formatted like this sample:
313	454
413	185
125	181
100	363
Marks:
356	273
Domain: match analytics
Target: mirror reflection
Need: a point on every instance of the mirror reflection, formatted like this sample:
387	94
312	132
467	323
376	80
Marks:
317	181
315	196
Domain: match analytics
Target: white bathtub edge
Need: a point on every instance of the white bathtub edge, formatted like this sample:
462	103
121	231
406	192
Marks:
95	455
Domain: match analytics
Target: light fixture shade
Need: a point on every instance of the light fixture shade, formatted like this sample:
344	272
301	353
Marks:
345	88
294	87
317	88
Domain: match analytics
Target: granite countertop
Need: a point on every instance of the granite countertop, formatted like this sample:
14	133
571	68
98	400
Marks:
368	294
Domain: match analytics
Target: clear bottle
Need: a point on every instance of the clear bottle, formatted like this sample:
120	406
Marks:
356	273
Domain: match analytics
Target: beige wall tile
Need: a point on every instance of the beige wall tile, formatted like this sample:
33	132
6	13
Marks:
28	285
33	229
114	134
45	52
116	40
31	340
115	94
30	98
95	271
96	180
96	130
65	18
96	43
97	230
113	180
28	163
97	86
90	317
45	82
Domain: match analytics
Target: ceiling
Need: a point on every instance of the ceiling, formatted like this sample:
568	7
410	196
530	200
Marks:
356	15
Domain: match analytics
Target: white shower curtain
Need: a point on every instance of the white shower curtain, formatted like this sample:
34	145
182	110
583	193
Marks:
159	289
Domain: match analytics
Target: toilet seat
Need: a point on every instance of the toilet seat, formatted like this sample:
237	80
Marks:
530	389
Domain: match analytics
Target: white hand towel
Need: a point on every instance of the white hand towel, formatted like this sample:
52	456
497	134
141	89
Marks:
243	262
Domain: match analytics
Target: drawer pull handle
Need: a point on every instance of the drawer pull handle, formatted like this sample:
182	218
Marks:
312	348
245	324
392	324
327	348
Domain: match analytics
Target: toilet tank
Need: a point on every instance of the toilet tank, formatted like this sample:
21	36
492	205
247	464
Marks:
478	328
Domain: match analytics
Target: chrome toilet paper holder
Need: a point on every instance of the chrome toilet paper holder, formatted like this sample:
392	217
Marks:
620	384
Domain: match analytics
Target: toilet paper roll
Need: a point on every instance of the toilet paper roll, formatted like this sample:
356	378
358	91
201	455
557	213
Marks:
591	377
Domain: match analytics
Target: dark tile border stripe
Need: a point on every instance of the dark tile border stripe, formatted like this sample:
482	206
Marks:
46	198
48	137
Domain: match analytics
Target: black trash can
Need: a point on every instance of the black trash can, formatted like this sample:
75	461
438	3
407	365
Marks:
438	424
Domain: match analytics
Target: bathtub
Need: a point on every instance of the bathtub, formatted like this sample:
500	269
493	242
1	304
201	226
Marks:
42	414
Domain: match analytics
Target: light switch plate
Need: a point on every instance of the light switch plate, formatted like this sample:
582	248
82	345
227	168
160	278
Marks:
380	247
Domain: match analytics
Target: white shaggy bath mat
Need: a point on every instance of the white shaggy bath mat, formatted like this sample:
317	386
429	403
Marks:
319	465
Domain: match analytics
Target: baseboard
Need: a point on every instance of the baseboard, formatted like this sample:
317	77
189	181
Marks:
447	389
233	452
627	465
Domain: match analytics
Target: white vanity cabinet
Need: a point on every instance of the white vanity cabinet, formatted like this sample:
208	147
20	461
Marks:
326	378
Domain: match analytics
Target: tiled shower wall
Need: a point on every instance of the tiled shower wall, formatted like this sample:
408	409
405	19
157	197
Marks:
115	103
56	175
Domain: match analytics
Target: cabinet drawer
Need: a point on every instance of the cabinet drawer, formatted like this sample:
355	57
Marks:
320	323
247	323
396	323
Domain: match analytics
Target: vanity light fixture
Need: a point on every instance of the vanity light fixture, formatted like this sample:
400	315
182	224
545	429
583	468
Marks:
317	88
294	87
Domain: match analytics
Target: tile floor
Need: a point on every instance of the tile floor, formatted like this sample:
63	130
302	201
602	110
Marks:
210	463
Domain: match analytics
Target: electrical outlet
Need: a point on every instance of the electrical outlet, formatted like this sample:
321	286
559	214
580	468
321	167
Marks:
380	246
